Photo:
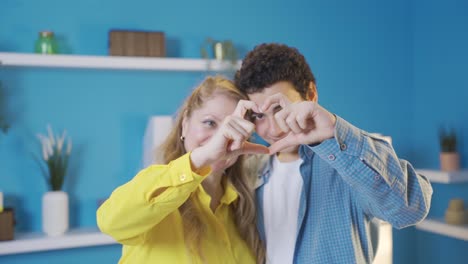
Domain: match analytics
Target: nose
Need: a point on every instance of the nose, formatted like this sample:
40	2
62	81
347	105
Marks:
273	128
207	137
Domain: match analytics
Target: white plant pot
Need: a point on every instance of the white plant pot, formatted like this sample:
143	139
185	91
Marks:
55	213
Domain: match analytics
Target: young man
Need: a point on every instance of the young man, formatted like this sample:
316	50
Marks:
328	180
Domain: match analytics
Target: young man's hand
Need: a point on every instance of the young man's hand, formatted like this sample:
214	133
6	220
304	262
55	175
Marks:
306	122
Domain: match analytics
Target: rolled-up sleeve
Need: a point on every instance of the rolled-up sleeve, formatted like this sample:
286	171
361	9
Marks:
387	187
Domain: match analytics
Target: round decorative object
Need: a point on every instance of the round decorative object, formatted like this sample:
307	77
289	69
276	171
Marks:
456	205
455	213
455	217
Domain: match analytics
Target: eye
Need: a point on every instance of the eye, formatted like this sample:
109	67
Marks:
277	109
209	123
257	116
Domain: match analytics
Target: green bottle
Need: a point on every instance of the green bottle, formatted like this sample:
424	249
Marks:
46	44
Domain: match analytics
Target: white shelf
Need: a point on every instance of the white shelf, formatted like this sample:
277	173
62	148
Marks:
33	242
445	177
439	226
8	59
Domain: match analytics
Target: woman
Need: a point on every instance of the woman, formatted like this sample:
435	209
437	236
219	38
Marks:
199	208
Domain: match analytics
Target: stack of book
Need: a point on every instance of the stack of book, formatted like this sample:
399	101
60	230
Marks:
136	43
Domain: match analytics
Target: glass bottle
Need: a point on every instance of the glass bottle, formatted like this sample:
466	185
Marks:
46	43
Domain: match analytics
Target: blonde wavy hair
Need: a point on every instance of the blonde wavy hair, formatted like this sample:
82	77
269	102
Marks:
244	208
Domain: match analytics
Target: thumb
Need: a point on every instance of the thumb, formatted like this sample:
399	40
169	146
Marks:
251	148
234	145
281	144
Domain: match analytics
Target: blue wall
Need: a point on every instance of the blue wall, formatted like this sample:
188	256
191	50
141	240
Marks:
371	61
440	83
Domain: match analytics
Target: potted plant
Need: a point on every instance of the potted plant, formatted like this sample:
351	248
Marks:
54	163
449	157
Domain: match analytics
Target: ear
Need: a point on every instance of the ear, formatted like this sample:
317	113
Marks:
312	94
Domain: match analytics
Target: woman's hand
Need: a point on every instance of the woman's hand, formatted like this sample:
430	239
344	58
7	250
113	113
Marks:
230	141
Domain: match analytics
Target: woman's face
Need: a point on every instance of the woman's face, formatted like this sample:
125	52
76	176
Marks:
205	121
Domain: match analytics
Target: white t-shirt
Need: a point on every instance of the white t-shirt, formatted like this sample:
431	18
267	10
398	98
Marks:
280	208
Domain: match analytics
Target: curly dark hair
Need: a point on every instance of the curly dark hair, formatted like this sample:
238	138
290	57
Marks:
269	63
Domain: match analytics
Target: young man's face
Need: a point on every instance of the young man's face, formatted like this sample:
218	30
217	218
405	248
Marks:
265	123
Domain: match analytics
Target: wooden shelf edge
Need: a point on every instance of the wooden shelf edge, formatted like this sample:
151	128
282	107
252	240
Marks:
445	177
11	59
34	242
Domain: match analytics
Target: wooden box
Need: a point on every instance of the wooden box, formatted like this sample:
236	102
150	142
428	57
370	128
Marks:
137	43
7	224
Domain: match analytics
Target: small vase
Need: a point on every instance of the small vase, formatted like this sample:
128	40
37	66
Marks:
55	213
46	43
449	161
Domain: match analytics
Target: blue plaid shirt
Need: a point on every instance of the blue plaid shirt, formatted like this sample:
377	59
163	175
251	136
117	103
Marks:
349	181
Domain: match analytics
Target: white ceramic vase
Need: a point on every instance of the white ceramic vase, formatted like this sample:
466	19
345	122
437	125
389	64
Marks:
55	213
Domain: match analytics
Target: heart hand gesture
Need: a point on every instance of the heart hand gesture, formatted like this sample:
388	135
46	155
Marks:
306	122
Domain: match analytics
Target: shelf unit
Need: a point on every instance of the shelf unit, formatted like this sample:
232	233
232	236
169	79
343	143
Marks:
75	238
33	242
9	59
85	237
438	226
445	177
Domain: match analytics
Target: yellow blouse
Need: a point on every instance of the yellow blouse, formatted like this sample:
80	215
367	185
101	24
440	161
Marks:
151	229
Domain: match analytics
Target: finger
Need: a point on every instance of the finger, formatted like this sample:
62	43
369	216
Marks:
282	144
280	118
235	145
245	134
292	123
236	137
246	125
301	120
252	148
242	126
305	114
243	106
273	100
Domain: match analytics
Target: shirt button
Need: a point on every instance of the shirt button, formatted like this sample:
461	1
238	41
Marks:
182	177
376	177
343	146
331	157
